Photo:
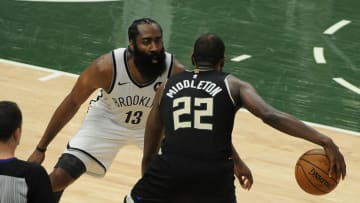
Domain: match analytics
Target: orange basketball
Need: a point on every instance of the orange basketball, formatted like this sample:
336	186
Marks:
311	173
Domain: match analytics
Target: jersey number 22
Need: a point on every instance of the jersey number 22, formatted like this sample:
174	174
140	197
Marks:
198	113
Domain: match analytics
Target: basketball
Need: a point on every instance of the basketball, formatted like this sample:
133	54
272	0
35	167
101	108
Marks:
311	173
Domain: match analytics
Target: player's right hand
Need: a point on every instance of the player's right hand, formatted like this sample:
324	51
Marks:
36	157
337	160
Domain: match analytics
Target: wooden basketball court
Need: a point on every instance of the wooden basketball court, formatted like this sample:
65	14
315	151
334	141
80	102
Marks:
271	155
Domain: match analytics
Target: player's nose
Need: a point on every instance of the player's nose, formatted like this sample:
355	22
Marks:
155	46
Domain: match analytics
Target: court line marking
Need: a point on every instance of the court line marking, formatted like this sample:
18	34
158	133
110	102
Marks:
337	26
241	58
24	65
52	72
319	55
333	128
70	1
347	85
51	76
331	30
326	127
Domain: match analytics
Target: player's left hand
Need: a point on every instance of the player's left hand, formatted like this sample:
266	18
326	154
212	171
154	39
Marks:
244	175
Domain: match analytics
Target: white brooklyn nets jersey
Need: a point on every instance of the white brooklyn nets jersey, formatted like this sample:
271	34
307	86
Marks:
127	103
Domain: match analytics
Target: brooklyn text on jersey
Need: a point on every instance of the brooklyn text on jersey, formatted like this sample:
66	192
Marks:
133	101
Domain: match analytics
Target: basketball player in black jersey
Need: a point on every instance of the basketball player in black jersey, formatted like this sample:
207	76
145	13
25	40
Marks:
196	111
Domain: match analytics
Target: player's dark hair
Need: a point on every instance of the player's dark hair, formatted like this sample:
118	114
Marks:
208	50
10	119
133	30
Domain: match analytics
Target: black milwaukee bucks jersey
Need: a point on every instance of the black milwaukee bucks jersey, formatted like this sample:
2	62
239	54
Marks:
198	113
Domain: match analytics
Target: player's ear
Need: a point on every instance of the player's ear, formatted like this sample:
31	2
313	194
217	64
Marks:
17	135
131	44
222	62
193	59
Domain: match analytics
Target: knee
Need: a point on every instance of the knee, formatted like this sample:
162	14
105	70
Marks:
67	170
60	179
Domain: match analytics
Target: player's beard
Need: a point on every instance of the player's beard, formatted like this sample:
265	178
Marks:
150	65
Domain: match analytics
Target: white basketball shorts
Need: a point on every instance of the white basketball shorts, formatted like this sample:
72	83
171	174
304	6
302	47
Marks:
99	140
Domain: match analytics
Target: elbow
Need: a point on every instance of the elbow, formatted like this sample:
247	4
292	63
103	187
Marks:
270	118
147	158
72	102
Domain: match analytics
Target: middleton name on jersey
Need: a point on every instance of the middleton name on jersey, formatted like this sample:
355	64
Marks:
208	86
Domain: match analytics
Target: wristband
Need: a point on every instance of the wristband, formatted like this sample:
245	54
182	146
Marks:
42	150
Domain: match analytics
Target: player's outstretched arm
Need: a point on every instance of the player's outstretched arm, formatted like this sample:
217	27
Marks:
286	123
97	75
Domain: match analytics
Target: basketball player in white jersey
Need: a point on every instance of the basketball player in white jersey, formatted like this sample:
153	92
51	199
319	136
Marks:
127	79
